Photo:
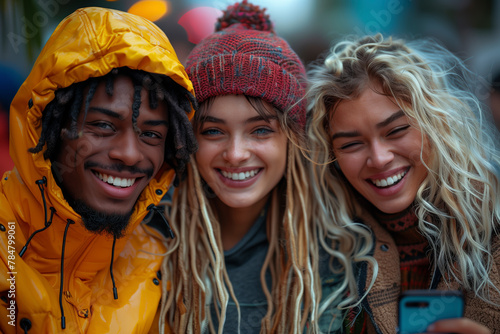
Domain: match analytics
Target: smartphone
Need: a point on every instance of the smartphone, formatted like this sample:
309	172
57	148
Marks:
420	308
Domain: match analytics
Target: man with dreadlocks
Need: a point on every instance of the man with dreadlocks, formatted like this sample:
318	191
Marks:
99	130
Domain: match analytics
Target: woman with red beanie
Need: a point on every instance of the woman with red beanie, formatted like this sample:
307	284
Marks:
249	255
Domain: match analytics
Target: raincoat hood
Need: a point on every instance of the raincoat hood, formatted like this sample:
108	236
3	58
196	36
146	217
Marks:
88	43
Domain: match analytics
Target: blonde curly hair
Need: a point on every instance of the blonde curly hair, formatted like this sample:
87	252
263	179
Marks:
457	204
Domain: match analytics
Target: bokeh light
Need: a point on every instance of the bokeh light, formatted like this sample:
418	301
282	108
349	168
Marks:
199	22
152	10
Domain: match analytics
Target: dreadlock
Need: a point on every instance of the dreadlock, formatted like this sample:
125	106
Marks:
64	109
301	248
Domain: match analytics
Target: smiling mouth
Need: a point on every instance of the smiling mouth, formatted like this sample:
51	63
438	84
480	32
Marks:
390	181
115	181
242	176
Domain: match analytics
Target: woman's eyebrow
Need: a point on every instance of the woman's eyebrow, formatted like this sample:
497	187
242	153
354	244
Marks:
390	119
212	119
349	134
398	114
261	118
258	118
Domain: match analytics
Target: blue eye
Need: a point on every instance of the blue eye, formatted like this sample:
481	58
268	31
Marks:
263	131
211	132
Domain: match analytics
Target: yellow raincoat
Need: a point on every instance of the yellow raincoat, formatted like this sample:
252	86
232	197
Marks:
88	43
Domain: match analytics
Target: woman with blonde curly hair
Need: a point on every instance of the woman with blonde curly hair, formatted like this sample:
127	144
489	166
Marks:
396	131
249	255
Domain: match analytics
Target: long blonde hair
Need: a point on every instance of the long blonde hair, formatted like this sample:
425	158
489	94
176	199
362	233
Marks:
194	269
457	205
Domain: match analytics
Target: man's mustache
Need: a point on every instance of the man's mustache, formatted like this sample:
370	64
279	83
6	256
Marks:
120	168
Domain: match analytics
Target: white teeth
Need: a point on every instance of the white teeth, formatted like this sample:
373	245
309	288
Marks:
116	181
389	181
240	176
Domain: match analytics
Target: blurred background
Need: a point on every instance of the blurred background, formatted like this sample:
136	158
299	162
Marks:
469	28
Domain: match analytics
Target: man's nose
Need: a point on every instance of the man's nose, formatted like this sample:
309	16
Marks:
127	149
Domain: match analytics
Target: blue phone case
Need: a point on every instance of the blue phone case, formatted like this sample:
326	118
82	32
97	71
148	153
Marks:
420	308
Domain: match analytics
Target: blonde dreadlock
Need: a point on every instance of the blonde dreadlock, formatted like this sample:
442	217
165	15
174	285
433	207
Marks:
194	272
245	57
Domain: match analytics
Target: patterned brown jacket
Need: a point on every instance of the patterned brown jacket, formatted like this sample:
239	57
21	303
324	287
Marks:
381	303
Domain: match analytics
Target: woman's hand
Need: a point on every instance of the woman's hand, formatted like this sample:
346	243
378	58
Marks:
459	326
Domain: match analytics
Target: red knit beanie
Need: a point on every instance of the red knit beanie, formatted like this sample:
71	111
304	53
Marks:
245	56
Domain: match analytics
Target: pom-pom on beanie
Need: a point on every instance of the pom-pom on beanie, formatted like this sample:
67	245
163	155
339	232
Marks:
245	56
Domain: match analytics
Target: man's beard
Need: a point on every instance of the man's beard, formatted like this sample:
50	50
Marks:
100	222
113	224
94	221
